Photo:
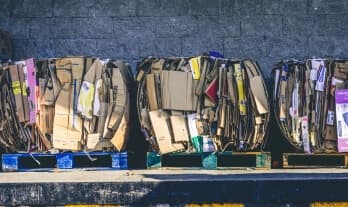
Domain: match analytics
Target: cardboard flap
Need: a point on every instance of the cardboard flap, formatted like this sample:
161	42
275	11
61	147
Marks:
140	75
151	92
88	63
61	135
331	133
98	96
77	67
258	91
119	87
48	98
178	91
102	117
180	131
157	66
92	140
119	139
63	64
341	71
17	91
64	76
251	69
211	91
230	85
208	102
162	132
91	73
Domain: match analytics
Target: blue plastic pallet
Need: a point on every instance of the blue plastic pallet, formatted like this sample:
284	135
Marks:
73	160
98	160
26	162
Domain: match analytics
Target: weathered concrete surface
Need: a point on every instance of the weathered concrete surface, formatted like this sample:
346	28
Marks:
258	188
165	175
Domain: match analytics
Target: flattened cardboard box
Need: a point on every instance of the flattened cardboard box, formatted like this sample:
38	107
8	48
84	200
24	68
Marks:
17	91
159	120
151	91
258	91
178	91
67	129
179	127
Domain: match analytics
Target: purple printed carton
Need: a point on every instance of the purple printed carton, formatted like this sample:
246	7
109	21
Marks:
342	119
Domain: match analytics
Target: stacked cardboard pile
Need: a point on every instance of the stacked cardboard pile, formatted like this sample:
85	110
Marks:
202	104
310	99
73	103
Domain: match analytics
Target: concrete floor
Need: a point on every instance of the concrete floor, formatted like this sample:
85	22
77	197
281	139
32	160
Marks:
276	187
80	176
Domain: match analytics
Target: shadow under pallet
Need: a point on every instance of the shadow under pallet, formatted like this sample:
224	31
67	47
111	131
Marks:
322	160
64	161
208	160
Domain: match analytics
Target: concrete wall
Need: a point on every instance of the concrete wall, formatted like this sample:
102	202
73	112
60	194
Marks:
5	45
265	30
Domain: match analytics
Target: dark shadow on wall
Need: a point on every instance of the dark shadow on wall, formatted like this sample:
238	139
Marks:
5	45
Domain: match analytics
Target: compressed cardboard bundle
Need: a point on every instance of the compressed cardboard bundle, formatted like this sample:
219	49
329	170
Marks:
71	103
310	98
202	104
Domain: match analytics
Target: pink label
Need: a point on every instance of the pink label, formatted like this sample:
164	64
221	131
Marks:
342	145
32	90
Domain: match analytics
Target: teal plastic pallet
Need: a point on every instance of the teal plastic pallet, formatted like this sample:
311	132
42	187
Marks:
225	160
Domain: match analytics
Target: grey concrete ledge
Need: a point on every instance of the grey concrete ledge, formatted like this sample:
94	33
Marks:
141	187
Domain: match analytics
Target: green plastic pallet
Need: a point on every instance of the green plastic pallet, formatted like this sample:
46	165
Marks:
208	160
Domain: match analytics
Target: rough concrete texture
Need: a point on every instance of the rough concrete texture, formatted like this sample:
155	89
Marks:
5	45
291	188
265	30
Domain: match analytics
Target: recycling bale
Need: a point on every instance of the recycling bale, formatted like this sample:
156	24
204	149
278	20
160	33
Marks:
309	104
65	104
202	104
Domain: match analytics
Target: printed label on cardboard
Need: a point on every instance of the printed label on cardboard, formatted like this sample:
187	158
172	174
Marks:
320	85
16	87
342	119
304	131
330	117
